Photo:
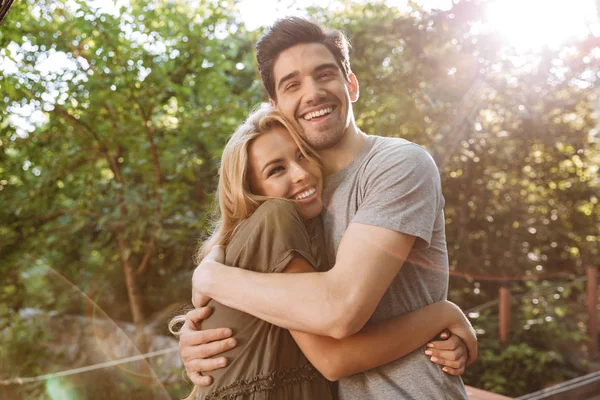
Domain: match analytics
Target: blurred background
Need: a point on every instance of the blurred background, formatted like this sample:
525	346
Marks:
113	117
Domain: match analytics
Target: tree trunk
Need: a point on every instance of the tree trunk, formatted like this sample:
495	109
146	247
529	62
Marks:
133	293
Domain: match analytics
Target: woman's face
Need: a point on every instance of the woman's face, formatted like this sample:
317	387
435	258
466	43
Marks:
277	168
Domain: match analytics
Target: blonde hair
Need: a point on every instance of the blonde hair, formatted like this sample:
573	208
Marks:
235	200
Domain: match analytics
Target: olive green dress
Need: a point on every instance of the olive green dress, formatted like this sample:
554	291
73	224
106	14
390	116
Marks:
266	363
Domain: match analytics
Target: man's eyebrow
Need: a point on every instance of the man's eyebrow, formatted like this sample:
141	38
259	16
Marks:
275	161
326	66
287	78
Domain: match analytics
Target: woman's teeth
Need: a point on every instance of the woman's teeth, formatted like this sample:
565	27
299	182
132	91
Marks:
306	194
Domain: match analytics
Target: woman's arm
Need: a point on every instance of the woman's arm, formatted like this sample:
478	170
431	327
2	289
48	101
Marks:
383	342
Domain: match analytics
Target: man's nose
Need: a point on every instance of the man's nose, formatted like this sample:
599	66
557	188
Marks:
314	92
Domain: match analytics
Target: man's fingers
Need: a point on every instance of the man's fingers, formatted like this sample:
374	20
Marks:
196	338
214	348
217	253
194	318
200	300
206	365
200	380
209	350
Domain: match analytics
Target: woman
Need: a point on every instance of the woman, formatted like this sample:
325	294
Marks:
269	194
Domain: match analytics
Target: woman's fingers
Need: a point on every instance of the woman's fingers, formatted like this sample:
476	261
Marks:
448	362
448	355
449	344
451	354
454	371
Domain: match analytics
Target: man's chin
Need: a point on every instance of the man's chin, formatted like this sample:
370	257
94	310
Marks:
320	137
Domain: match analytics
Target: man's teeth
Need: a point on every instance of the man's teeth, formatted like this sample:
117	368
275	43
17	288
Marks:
306	194
319	113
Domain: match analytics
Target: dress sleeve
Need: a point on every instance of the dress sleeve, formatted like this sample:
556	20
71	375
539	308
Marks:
270	238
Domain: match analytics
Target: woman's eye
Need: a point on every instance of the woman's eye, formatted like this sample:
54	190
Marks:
275	170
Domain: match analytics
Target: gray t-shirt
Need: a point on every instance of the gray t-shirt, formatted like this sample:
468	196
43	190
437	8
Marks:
394	184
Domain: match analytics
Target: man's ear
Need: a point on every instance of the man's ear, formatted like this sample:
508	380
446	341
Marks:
353	87
272	102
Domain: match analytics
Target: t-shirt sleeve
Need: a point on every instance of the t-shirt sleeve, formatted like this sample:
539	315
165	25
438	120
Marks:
402	192
273	235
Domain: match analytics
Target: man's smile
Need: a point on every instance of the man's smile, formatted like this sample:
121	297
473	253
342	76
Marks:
317	113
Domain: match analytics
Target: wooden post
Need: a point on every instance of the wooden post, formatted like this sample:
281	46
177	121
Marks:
592	303
504	314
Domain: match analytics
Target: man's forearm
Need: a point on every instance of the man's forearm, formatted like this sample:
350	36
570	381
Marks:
335	303
308	302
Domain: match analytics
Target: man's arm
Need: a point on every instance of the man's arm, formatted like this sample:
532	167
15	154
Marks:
336	303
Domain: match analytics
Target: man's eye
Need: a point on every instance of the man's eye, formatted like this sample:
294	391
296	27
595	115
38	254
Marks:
325	75
291	86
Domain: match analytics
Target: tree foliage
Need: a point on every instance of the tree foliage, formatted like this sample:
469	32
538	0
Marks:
108	184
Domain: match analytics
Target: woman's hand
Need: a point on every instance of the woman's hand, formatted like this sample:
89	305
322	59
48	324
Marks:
450	353
460	349
202	276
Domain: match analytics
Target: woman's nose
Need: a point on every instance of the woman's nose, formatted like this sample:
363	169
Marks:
299	173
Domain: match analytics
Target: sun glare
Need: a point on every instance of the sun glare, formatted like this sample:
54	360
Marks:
533	24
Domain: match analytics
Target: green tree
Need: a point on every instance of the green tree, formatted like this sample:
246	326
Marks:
111	188
111	185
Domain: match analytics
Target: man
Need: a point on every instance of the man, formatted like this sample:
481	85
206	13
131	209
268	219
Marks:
383	219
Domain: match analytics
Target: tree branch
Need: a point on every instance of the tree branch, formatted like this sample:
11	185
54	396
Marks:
158	195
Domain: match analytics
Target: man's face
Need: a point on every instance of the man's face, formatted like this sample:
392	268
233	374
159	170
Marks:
313	93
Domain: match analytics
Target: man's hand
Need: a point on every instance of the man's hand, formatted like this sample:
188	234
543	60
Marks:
197	347
216	255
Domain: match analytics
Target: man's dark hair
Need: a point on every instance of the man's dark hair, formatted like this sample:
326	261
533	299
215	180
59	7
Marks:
288	32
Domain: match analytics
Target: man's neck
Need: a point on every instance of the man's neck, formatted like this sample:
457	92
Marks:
339	156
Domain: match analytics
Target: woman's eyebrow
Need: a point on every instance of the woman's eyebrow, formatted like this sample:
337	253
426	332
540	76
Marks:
274	161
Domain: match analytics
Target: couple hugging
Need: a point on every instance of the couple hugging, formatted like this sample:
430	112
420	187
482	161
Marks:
329	260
